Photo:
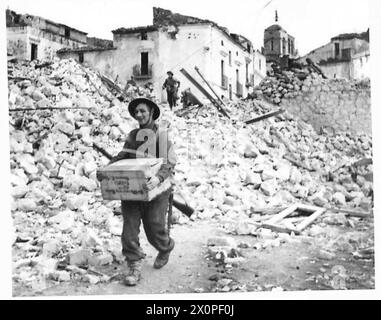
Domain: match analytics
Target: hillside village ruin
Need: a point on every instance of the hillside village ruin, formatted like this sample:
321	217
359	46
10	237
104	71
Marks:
266	132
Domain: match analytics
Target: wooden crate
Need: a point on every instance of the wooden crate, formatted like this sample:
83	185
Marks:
124	179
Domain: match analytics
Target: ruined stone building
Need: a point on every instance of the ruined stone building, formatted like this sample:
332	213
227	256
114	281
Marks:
278	43
31	37
228	61
345	56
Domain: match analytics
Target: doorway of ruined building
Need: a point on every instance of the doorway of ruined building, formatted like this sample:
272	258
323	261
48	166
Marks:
144	63
33	51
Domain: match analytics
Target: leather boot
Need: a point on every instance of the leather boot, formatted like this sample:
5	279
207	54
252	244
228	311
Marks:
161	260
134	274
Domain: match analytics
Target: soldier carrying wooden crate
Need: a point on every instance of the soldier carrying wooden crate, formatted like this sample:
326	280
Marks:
147	141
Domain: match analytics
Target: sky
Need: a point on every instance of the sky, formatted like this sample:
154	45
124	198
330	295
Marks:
311	22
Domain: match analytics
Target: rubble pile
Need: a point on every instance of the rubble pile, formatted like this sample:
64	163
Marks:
283	84
230	167
225	168
289	83
53	170
233	173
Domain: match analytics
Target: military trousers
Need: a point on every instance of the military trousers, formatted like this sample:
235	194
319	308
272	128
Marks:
153	214
171	97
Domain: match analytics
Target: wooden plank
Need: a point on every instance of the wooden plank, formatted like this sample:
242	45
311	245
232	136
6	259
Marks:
308	208
283	214
210	87
103	151
265	116
294	219
279	228
268	210
352	213
18	78
45	108
306	222
288	224
204	92
316	212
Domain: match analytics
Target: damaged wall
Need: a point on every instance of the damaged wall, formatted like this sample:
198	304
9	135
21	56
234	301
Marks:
17	45
128	56
99	60
259	67
174	42
14	19
209	46
222	47
357	68
327	51
361	66
339	69
190	48
187	46
342	58
335	104
20	40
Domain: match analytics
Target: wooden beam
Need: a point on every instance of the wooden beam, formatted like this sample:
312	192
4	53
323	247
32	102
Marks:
103	151
204	92
45	108
210	87
283	214
265	116
352	213
278	228
308	208
268	210
18	78
316	212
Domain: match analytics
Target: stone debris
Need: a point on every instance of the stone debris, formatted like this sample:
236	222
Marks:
289	82
79	257
286	82
226	169
224	250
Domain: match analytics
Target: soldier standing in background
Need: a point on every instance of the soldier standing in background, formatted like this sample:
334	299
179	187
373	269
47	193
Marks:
171	84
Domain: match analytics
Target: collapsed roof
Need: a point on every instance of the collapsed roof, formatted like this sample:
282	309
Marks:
14	19
349	36
163	17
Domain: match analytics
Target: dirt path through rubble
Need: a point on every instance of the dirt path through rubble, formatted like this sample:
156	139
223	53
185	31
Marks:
291	266
186	270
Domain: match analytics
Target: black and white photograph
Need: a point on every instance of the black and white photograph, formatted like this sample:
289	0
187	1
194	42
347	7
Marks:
202	147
